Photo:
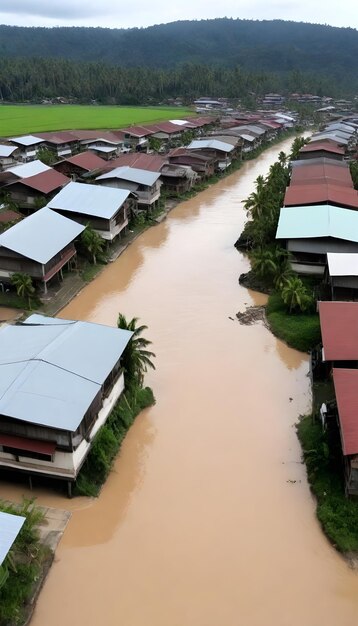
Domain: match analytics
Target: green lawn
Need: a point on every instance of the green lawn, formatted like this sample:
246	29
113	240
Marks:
300	331
23	119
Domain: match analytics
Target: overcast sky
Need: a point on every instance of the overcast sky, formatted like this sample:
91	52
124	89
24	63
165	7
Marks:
124	14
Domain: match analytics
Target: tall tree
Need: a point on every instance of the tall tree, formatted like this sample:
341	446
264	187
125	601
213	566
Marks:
136	358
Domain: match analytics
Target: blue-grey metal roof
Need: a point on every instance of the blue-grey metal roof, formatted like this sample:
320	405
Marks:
104	149
249	138
305	222
51	369
6	151
89	200
10	526
41	235
333	136
27	140
210	143
132	174
28	169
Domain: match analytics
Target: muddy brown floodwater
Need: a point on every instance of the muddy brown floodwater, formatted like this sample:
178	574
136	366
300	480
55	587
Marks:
207	519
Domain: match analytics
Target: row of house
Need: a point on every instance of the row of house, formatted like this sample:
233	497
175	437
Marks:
319	216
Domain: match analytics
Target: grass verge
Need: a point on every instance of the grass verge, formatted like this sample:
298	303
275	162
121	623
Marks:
301	331
338	515
109	438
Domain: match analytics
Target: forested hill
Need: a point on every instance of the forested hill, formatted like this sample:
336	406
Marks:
270	46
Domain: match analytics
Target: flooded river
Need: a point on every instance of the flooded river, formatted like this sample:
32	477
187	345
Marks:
207	519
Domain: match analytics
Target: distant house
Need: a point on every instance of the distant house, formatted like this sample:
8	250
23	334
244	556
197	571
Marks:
311	232
137	137
8	155
80	164
219	150
144	184
28	146
62	143
40	246
105	209
203	165
59	381
30	191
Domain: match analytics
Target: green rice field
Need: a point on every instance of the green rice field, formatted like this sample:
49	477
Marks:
23	119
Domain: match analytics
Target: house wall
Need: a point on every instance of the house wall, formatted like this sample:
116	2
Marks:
11	262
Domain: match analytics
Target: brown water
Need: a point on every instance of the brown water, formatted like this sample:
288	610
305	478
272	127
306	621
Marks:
199	523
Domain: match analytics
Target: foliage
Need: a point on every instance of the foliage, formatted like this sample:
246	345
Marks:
19	119
93	243
337	515
354	173
24	286
23	563
297	144
46	156
155	143
136	358
300	331
109	439
295	295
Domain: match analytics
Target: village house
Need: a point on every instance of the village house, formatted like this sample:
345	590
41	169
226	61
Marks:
326	149
105	209
33	191
62	143
79	365
143	184
41	245
311	232
321	193
202	165
325	172
28	146
9	155
137	137
80	164
220	151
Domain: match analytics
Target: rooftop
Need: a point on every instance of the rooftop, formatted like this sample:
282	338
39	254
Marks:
6	151
41	235
26	140
212	144
52	369
132	174
28	169
45	182
339	328
346	389
342	263
10	526
306	222
87	161
319	193
89	200
326	146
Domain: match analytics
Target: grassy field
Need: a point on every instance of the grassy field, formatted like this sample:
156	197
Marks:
23	119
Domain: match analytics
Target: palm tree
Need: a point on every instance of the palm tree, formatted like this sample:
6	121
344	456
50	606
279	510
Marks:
297	144
264	263
294	295
93	242
136	358
24	286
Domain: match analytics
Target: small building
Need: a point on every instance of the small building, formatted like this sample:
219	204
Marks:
137	137
219	150
342	275
177	179
321	193
62	143
203	165
105	209
40	246
28	146
80	164
10	526
311	232
145	185
9	155
60	379
25	170
30	192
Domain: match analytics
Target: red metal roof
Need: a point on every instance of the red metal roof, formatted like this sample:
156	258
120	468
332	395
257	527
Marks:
339	329
327	146
30	445
87	160
137	131
9	216
57	137
298	195
322	173
45	182
346	388
149	162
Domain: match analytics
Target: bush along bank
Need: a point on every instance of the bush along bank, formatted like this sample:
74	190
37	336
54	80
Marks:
336	514
291	307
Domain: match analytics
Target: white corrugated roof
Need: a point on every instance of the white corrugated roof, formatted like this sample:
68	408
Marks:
325	220
29	169
210	143
6	151
247	137
10	526
104	149
51	369
342	264
27	140
89	200
132	174
41	235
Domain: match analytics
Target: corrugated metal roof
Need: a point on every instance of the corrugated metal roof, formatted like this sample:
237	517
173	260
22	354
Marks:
137	131
87	161
26	140
346	389
318	161
41	235
305	222
132	174
326	146
89	200
52	369
149	162
339	126
335	137
45	182
29	169
319	193
8	215
342	264
6	151
339	329
211	144
248	138
104	149
327	172
10	526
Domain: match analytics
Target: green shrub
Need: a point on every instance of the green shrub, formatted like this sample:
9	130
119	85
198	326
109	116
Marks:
299	330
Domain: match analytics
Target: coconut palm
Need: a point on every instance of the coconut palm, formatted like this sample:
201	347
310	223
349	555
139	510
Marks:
136	358
295	296
24	286
93	243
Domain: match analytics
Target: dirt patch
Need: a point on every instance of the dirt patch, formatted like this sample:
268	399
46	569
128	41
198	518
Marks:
252	315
